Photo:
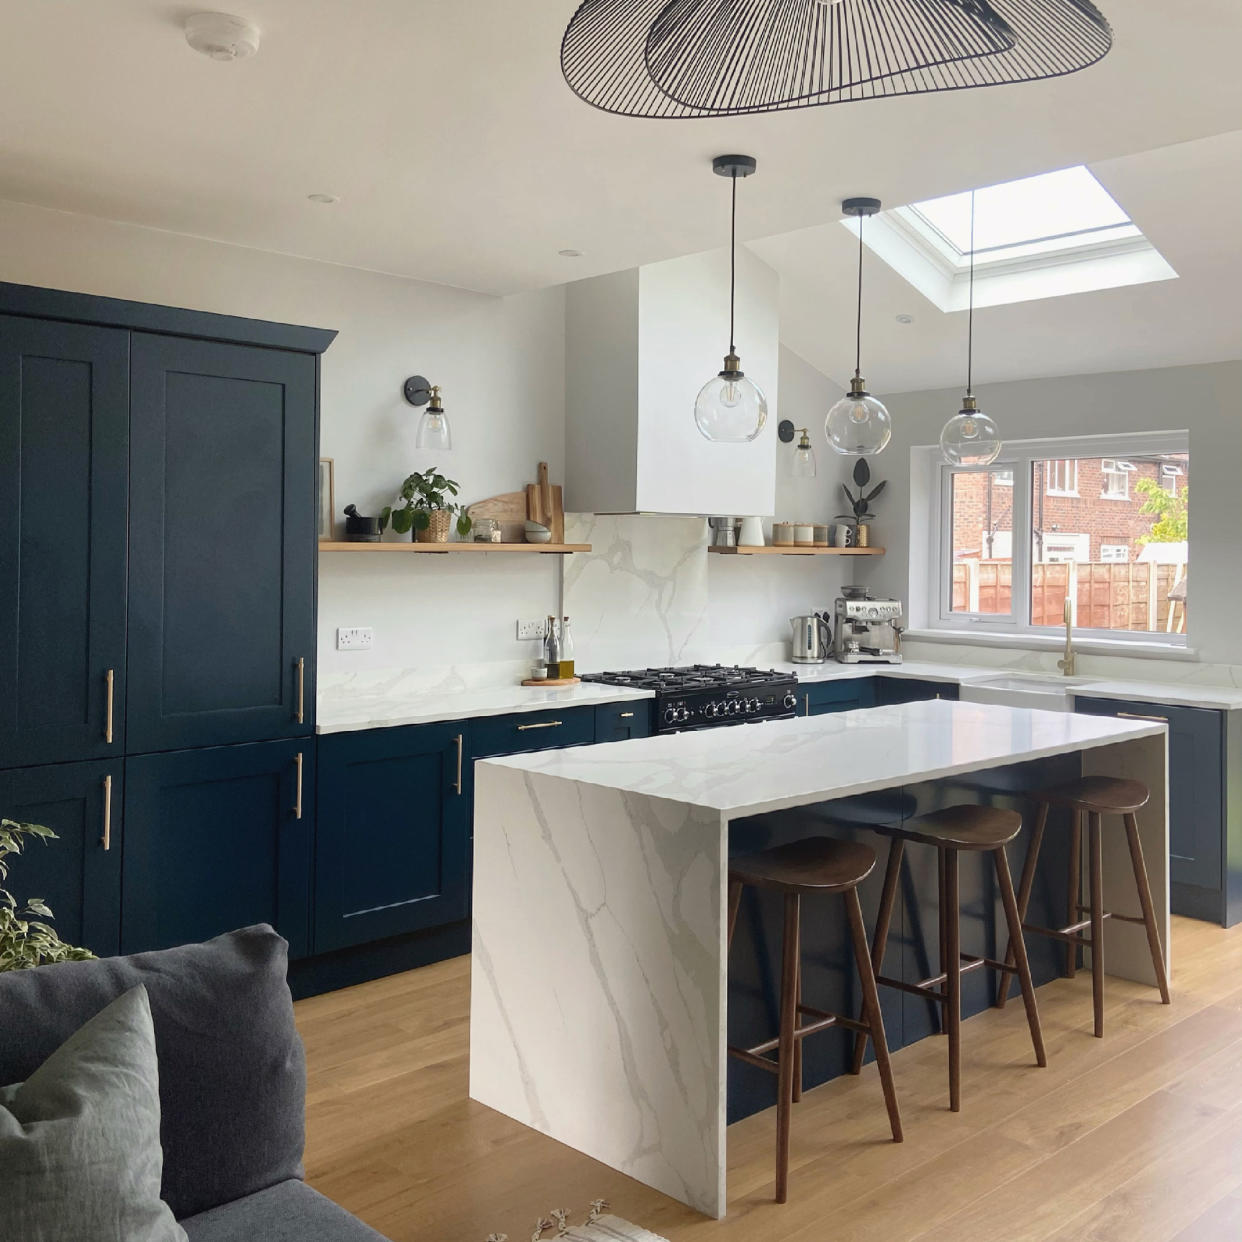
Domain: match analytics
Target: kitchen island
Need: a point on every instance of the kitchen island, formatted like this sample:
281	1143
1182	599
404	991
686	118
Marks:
600	981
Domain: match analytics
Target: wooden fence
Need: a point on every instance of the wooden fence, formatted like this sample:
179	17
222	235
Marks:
1107	596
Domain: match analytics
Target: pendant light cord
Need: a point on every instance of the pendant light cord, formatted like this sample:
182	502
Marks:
732	260
858	334
970	322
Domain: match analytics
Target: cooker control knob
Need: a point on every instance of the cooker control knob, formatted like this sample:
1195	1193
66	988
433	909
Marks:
683	714
670	715
754	705
790	701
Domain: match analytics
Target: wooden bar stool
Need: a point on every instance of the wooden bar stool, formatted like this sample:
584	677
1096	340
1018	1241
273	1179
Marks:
956	828
1095	797
812	867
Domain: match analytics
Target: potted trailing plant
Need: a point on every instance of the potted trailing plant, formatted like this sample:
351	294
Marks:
860	515
426	508
25	940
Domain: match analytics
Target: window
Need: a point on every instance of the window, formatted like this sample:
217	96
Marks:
1012	543
1061	477
1115	475
1171	477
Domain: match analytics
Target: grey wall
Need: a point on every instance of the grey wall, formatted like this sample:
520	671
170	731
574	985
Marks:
1204	400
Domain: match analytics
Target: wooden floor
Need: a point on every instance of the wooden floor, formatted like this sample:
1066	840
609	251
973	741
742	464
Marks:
1133	1138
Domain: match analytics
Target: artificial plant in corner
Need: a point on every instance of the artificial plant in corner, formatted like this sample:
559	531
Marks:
860	505
24	939
424	494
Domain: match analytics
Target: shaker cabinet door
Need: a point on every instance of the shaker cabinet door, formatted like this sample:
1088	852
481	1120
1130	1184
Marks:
64	462
222	544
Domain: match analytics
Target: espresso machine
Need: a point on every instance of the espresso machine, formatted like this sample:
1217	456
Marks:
867	630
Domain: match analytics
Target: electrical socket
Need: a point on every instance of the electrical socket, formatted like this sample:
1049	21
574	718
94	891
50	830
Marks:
354	638
531	629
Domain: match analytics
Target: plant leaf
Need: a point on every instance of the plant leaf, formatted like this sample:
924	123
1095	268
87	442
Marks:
862	472
872	495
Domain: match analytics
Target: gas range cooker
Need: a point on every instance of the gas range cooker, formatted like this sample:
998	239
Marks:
702	696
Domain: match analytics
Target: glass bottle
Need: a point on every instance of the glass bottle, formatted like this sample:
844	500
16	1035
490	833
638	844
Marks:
552	648
567	650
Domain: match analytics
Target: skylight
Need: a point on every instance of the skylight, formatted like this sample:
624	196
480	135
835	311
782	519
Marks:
1045	236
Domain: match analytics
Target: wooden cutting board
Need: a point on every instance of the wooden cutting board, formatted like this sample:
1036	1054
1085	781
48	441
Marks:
509	510
545	504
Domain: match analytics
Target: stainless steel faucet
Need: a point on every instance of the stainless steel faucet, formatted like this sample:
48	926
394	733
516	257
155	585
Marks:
1070	662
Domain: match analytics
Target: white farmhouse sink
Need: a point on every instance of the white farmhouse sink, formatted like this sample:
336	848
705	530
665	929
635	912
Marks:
1044	692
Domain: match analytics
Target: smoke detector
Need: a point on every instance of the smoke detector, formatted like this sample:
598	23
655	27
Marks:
222	36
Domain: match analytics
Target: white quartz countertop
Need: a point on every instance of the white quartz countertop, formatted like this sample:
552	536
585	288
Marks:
747	770
342	713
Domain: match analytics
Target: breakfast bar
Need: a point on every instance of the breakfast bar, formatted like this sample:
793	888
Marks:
600	1006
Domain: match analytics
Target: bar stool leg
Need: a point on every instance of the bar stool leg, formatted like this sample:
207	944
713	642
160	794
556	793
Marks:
1097	921
797	1071
883	920
1145	903
785	1057
871	1010
1074	900
735	900
1014	919
944	933
954	982
1025	885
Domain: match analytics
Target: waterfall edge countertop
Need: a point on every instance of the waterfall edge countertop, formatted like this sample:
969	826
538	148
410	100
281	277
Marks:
812	759
599	980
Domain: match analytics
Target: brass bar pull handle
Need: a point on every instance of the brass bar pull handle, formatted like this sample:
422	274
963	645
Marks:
106	839
627	715
457	782
300	715
297	797
806	704
110	693
543	724
1164	720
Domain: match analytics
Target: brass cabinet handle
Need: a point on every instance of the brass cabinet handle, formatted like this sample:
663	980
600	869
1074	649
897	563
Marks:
110	685
627	715
1134	716
457	782
806	700
106	839
297	798
300	715
543	724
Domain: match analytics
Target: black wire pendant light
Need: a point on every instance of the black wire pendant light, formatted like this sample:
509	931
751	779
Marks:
674	59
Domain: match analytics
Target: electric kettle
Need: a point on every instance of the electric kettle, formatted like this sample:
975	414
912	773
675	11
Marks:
812	639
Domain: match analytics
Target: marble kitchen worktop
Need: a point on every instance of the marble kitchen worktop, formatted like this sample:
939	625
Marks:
818	758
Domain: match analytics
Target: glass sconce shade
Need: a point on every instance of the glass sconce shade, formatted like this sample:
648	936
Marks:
858	425
970	438
730	409
434	431
804	458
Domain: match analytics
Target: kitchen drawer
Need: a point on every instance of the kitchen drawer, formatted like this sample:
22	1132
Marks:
617	722
819	698
509	735
890	690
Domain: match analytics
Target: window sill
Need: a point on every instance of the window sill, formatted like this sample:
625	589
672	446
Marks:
1136	649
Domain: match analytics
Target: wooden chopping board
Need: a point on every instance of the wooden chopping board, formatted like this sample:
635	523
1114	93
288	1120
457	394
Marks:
508	510
545	504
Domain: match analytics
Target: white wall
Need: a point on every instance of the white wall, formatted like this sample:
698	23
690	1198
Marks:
1206	400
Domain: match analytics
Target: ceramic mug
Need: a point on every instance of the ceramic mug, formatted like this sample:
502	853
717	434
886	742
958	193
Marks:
841	536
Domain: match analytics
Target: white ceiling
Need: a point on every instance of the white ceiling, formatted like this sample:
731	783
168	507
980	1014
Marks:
461	157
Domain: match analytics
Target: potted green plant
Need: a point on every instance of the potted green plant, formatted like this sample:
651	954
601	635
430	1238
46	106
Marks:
25	940
426	508
860	515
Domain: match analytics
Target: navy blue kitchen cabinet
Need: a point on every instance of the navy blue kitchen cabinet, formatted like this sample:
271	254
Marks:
618	722
819	698
79	874
889	690
218	838
1197	800
222	543
64	460
393	841
524	731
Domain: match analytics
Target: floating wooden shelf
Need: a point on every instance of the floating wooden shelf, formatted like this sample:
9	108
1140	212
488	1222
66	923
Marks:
784	549
440	549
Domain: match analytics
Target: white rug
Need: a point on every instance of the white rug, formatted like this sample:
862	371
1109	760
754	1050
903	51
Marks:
611	1229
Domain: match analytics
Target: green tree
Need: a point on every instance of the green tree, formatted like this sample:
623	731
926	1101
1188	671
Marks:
1172	513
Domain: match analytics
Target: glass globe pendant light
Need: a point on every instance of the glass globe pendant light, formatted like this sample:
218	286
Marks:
970	437
731	409
859	425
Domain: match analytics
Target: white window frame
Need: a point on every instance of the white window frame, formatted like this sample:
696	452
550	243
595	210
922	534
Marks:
1062	465
1113	468
1021	456
1170	476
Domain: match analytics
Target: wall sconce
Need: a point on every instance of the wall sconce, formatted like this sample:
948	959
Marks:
804	455
433	427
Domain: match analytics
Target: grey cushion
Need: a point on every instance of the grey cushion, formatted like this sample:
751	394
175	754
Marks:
80	1138
232	1068
290	1212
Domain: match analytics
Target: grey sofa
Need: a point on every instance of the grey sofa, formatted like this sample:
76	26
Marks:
232	1078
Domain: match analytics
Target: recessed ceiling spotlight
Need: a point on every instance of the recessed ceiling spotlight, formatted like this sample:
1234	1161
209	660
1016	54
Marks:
324	198
222	36
905	318
570	254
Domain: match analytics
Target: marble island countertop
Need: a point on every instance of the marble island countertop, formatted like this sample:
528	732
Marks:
747	771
